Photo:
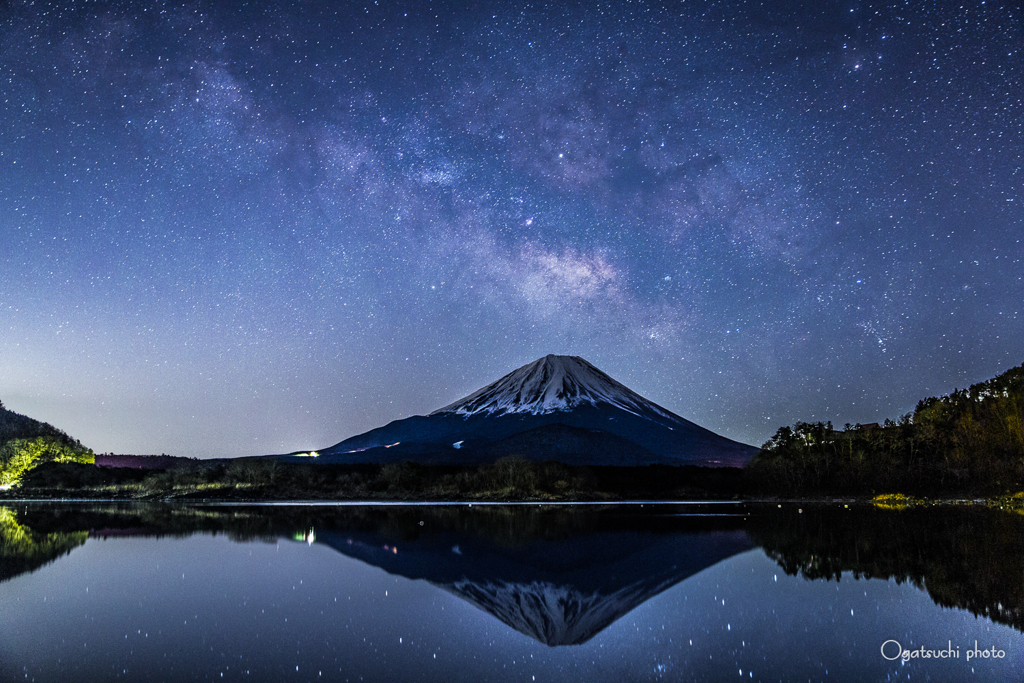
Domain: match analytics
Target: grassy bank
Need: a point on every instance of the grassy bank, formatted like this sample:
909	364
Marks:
1011	502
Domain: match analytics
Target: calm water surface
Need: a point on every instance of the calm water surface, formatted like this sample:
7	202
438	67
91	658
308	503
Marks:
509	593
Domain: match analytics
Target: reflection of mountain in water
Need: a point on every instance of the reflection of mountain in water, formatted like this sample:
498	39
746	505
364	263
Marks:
560	592
552	614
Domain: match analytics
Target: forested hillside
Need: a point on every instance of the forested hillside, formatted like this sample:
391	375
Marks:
970	440
25	443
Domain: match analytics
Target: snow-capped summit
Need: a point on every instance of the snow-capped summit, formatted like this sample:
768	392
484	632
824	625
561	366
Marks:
547	385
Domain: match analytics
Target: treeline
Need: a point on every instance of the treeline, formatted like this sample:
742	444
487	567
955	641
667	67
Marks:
509	478
969	441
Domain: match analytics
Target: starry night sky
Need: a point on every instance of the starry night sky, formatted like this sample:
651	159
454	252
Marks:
232	229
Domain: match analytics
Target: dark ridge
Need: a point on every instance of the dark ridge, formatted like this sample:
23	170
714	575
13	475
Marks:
142	462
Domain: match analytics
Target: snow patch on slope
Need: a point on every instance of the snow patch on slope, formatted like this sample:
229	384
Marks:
550	384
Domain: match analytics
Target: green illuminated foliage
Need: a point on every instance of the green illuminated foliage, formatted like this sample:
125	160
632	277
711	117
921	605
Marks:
18	456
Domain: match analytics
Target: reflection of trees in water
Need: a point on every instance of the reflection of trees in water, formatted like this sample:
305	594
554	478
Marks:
24	550
40	534
505	525
968	558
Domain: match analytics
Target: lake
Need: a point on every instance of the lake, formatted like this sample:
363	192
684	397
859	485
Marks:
675	592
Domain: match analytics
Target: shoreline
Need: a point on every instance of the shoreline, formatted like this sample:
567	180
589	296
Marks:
1013	503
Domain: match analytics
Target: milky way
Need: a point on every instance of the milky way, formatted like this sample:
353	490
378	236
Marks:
230	229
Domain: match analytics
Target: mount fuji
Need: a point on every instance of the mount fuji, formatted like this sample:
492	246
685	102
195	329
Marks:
558	408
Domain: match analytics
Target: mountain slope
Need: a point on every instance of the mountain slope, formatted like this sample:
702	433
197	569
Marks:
555	408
